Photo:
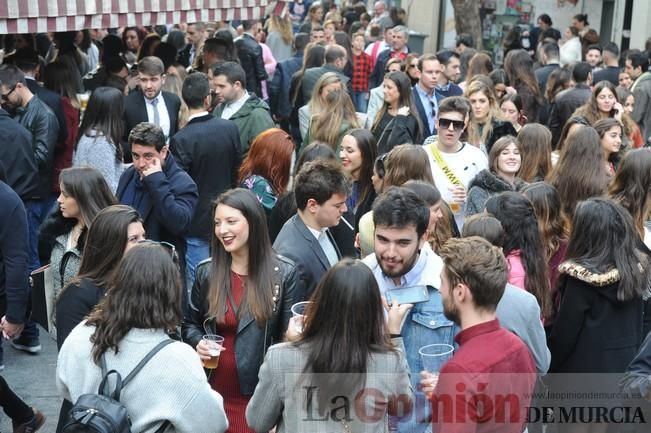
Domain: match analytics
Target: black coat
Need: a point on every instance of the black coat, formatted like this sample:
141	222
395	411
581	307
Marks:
75	302
135	112
542	74
564	106
209	150
279	89
392	131
593	331
53	101
252	340
250	53
17	156
297	242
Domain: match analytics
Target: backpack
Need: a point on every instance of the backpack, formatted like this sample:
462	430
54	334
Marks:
103	412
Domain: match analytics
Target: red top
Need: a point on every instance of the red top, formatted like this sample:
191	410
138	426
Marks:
493	366
362	68
63	150
224	378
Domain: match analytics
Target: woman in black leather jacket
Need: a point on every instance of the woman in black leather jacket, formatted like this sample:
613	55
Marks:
244	293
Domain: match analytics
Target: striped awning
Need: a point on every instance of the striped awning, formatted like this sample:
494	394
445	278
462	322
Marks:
35	16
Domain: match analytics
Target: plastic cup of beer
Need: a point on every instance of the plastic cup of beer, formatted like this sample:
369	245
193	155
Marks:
214	343
298	311
83	100
434	356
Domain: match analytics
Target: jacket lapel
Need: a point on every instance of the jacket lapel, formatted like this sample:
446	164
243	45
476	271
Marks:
316	248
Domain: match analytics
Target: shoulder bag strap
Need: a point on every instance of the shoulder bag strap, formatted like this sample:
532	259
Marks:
146	359
447	171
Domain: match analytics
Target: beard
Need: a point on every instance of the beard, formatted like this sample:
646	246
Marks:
450	310
400	268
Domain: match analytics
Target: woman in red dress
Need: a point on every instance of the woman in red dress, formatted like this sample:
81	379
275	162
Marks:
243	293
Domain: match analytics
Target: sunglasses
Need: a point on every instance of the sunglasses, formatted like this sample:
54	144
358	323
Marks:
169	247
379	165
445	124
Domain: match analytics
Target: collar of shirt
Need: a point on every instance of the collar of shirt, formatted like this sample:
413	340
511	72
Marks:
317	233
444	88
477	330
151	101
426	271
194	116
235	106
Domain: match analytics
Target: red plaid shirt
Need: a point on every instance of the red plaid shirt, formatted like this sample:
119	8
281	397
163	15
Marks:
362	68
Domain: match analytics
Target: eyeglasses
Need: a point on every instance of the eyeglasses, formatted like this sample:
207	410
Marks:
169	247
5	96
445	124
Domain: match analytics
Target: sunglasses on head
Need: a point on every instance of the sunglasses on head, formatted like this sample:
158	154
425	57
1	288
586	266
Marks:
379	165
169	247
445	124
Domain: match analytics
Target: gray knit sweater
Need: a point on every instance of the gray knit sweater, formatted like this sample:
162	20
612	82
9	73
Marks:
97	151
172	386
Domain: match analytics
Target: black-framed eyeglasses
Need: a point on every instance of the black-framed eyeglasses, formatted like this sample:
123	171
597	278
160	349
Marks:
445	124
5	96
169	247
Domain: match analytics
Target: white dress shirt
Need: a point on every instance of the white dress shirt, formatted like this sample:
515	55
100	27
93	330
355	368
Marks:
162	114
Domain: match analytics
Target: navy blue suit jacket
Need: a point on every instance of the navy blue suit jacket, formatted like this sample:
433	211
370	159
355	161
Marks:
422	113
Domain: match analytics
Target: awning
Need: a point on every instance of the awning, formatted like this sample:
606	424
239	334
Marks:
35	16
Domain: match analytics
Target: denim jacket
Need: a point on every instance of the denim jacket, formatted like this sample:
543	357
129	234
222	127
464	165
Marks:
425	324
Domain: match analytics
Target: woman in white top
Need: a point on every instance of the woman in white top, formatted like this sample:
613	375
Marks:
142	306
100	132
571	49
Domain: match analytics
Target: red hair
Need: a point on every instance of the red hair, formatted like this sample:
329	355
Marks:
270	156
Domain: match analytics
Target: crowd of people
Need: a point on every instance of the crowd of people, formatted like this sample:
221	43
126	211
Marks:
201	180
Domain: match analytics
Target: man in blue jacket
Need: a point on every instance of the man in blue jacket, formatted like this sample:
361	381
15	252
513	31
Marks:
163	194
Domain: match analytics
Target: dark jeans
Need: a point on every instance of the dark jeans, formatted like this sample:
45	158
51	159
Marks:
37	210
12	405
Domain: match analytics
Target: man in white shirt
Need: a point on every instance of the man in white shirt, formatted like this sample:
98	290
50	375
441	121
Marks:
454	163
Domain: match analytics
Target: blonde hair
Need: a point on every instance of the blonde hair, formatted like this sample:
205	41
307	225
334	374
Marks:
316	103
479	133
338	110
282	25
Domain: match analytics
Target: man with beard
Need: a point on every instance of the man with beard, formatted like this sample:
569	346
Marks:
403	258
492	373
150	103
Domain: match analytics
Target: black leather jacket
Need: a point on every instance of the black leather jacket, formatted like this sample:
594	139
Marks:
39	119
250	54
252	340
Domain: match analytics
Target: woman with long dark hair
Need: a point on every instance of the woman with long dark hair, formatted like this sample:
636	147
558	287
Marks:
610	137
523	246
599	324
266	168
535	144
314	356
631	188
580	172
519	68
397	122
141	307
98	144
504	162
243	293
114	231
554	231
358	153
60	80
84	193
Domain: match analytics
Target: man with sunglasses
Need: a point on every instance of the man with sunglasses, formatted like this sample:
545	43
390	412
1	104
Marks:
32	113
454	163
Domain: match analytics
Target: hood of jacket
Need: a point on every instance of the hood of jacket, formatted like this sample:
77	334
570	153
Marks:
251	104
605	282
489	181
